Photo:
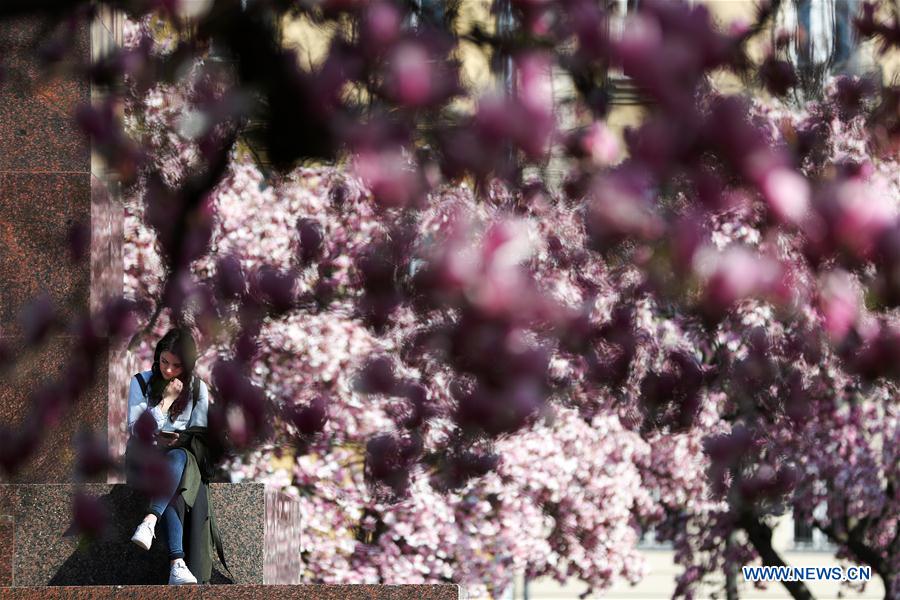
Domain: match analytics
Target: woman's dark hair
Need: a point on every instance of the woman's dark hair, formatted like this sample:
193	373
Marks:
179	342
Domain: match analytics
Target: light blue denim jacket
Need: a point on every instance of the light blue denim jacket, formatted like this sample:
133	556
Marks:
190	417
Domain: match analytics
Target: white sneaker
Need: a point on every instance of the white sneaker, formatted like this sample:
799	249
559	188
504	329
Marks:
180	574
143	535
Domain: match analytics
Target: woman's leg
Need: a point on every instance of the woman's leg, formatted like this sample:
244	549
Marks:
143	536
175	531
177	458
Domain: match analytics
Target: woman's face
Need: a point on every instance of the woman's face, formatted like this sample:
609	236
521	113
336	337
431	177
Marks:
169	365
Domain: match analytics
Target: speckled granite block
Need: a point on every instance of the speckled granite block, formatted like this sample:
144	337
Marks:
242	592
38	137
107	269
54	458
240	513
43	555
7	549
123	364
37	129
35	213
106	282
282	562
45	187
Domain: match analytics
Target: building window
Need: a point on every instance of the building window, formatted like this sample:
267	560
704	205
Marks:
649	541
432	13
619	88
803	532
808	537
822	38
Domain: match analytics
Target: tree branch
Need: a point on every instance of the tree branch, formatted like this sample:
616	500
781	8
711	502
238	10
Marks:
136	338
860	551
761	537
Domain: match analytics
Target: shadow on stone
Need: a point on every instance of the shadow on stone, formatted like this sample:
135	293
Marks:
113	559
259	532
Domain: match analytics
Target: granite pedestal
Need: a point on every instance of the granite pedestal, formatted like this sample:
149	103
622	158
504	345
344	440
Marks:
241	592
48	185
259	526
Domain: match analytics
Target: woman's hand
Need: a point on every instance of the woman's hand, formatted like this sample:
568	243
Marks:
165	439
173	389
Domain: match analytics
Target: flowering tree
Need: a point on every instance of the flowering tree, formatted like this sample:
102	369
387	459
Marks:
476	373
335	405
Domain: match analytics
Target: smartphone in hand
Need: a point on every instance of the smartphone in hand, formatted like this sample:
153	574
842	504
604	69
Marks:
166	438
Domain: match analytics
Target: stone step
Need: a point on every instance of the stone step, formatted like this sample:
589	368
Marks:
260	529
238	592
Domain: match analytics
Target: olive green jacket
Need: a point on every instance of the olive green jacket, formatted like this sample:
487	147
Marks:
202	540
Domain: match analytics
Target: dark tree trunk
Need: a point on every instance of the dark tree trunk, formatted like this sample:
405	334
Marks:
761	537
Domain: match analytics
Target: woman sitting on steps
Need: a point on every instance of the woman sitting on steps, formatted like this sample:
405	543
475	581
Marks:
178	402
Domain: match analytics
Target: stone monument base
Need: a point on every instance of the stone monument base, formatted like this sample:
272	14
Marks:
238	592
260	530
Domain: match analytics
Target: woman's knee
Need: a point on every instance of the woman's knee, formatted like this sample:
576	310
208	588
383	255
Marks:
177	455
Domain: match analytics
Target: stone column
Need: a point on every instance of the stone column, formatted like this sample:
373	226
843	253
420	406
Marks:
47	185
107	267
